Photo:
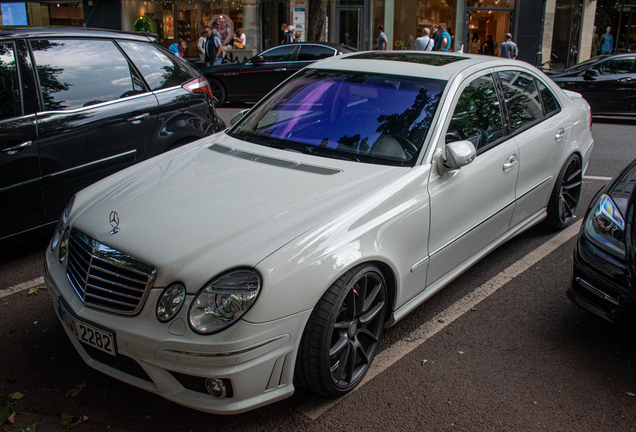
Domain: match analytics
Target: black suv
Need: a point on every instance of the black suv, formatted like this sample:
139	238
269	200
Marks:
76	105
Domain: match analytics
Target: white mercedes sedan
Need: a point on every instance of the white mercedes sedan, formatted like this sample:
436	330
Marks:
226	273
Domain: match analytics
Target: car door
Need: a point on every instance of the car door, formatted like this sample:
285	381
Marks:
612	91
262	73
20	180
97	117
541	131
471	207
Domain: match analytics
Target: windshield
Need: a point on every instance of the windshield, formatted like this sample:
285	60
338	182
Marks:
358	116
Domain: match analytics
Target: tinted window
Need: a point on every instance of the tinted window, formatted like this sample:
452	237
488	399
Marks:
159	69
76	73
314	53
550	103
522	98
279	54
617	66
9	87
477	115
360	116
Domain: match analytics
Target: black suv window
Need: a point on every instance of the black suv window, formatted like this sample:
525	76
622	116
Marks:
9	87
160	70
477	115
617	66
279	54
314	52
76	73
522	100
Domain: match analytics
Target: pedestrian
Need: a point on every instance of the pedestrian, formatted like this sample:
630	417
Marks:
238	42
214	46
297	36
444	39
283	28
424	43
508	49
475	44
201	42
435	36
242	36
178	48
383	42
607	41
489	46
289	36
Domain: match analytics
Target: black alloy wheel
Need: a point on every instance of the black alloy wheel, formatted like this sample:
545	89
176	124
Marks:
566	193
218	91
343	333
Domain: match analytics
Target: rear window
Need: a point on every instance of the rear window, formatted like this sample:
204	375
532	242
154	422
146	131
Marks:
9	87
358	116
159	69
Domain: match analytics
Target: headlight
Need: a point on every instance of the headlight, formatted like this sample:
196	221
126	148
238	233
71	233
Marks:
63	252
224	301
59	230
605	226
170	302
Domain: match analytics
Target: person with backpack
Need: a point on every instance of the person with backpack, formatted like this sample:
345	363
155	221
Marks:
508	49
214	47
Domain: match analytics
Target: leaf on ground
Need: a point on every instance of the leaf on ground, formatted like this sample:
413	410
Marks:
79	420
16	396
28	428
630	394
66	419
424	361
11	418
441	320
36	290
77	390
461	352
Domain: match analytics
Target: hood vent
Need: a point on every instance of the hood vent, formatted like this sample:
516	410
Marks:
281	163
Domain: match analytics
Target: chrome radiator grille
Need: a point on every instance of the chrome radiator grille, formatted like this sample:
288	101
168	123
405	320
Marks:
105	278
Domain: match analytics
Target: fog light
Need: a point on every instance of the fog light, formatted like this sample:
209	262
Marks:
215	387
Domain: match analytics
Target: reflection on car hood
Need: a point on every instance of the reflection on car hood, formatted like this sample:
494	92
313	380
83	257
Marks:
623	192
204	210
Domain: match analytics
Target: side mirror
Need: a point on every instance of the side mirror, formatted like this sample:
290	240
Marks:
239	115
591	73
458	154
257	59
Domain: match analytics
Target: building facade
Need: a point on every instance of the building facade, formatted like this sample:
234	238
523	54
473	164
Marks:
539	27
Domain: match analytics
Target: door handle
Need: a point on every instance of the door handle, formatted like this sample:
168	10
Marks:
280	70
624	79
560	134
14	150
512	160
138	119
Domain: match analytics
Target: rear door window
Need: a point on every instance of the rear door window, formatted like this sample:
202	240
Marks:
314	52
522	99
9	85
550	103
159	69
279	54
617	66
76	73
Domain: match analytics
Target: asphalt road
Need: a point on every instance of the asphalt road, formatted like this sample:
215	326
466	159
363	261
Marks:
523	358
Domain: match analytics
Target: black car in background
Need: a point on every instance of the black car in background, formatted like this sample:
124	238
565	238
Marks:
607	82
250	81
77	105
604	275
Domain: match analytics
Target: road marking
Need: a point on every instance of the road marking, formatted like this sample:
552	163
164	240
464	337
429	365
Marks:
21	287
587	177
315	407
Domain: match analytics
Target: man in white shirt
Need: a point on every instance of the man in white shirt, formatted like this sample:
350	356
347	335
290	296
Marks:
424	43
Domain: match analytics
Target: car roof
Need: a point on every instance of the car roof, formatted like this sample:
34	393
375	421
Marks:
420	64
336	46
53	31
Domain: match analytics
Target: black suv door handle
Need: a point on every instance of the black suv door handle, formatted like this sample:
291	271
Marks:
624	79
280	70
138	119
14	150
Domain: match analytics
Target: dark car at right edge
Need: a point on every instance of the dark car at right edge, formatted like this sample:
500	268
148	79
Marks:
604	271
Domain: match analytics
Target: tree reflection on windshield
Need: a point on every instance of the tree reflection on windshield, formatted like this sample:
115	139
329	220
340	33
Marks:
377	118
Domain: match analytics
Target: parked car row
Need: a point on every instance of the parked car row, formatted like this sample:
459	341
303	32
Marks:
270	256
77	105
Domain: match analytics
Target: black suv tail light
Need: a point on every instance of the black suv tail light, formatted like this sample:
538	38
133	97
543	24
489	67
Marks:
198	85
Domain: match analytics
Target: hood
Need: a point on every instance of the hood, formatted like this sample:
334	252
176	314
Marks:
623	192
223	204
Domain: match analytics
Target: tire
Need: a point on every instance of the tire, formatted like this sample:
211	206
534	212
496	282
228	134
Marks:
566	193
218	91
343	333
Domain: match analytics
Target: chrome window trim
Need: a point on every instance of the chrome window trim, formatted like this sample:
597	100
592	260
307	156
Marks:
101	104
167	89
121	155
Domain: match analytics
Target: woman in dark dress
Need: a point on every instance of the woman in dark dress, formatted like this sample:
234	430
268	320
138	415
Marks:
489	46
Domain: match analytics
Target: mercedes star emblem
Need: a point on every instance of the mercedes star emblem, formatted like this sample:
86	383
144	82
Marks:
114	222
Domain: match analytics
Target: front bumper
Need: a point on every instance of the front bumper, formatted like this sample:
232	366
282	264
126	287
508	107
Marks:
600	285
255	360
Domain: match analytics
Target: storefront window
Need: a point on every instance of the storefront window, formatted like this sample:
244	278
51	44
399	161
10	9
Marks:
63	13
491	4
184	20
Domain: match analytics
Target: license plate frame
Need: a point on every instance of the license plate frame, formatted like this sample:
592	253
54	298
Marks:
89	334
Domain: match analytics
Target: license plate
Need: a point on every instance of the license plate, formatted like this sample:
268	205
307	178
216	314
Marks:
88	334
